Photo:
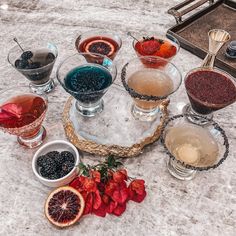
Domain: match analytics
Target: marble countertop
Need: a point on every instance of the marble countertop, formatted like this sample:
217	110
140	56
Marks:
204	206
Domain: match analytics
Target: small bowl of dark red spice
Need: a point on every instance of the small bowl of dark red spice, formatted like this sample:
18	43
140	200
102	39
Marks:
55	163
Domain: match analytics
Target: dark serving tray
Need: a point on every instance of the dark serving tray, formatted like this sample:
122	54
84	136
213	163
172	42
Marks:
192	33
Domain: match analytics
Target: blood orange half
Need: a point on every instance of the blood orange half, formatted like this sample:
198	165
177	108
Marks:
64	206
100	46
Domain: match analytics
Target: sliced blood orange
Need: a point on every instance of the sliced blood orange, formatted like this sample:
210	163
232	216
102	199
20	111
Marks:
64	206
100	46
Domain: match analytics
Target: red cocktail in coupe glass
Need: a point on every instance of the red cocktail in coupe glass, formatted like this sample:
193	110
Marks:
22	113
103	42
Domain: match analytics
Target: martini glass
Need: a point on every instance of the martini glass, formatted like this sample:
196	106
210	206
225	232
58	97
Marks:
99	41
191	147
37	69
208	90
162	46
87	82
149	80
22	113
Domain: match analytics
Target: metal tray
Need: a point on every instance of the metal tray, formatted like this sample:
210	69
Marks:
193	32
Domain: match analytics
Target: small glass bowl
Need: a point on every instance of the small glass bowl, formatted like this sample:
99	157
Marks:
185	171
231	50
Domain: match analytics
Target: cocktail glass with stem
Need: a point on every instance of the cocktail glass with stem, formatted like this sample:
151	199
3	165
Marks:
149	80
22	113
35	60
87	82
191	147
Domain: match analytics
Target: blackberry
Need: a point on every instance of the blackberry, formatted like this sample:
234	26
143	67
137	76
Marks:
34	65
40	161
50	58
54	176
60	160
53	154
21	64
67	166
68	156
26	55
49	165
43	172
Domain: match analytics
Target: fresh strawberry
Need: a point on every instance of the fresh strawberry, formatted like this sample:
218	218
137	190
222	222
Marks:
149	47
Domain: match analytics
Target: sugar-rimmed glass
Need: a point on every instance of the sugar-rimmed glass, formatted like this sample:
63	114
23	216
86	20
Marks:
149	80
179	131
203	107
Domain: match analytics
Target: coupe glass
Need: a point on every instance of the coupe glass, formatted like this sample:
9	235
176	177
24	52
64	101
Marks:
205	147
22	113
202	107
104	42
89	100
40	81
149	80
168	49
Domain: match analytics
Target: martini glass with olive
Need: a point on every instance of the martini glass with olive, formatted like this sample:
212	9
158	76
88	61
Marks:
35	60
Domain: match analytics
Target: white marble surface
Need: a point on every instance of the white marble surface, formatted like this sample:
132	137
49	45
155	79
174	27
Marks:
204	206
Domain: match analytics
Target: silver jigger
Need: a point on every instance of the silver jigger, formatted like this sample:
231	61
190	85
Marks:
217	38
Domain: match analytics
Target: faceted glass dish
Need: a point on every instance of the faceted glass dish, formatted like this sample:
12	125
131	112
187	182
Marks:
186	171
40	81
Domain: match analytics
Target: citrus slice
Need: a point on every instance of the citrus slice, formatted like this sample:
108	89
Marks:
100	46
64	206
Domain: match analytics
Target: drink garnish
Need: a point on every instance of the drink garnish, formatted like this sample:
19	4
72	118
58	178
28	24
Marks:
12	110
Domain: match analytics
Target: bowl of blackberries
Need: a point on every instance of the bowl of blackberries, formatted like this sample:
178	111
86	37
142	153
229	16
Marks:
55	163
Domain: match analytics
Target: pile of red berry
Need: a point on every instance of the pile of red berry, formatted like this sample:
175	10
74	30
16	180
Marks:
106	189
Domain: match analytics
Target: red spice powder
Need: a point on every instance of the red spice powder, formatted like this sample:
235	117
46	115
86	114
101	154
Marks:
210	86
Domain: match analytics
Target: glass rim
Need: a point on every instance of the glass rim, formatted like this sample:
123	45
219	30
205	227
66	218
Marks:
20	92
164	37
33	70
86	63
134	94
214	69
211	122
99	31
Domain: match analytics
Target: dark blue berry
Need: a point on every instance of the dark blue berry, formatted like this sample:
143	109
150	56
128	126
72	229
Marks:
67	166
40	161
34	65
50	58
21	64
68	156
26	55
